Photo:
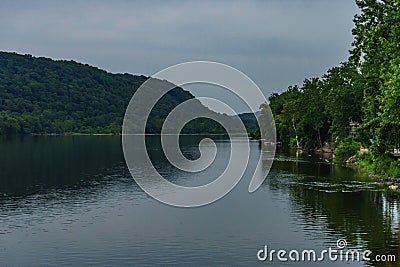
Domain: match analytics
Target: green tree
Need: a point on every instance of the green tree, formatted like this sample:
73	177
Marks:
284	108
311	111
343	96
376	51
9	124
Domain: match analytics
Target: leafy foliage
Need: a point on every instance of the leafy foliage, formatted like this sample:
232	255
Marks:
343	94
346	149
40	95
300	114
380	165
377	53
366	89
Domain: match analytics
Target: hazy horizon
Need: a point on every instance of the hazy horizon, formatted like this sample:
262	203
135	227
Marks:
275	43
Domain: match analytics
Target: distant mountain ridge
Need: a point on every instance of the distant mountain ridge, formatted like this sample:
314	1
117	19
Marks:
41	95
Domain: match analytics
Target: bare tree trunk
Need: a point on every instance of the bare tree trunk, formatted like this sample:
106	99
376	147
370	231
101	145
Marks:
319	139
297	137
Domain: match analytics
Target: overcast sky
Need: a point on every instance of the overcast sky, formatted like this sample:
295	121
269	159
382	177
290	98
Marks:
277	43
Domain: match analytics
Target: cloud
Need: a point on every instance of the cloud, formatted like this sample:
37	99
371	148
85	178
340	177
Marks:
275	42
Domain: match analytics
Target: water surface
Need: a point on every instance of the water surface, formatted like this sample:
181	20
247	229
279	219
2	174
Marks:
71	201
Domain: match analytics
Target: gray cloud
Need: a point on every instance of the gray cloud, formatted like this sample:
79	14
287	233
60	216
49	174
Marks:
277	43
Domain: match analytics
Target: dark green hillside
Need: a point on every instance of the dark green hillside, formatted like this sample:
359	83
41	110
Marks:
41	95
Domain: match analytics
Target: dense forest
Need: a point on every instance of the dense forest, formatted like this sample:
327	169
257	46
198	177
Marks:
41	95
356	103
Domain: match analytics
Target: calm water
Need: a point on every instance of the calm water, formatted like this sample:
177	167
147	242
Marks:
71	201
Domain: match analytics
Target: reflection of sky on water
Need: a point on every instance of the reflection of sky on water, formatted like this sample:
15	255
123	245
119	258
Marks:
96	214
390	210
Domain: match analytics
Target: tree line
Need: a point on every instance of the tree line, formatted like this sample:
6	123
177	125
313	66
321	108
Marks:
356	103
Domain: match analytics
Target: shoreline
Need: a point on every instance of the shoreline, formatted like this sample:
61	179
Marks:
120	134
392	184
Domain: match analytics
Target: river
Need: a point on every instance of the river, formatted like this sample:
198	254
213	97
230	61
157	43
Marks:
71	201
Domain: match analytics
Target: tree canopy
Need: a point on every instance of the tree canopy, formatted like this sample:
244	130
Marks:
41	95
364	90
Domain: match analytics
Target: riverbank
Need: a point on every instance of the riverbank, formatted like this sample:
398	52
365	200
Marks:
392	183
362	161
75	134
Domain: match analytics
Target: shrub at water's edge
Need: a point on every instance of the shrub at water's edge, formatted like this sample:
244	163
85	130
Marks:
346	149
381	165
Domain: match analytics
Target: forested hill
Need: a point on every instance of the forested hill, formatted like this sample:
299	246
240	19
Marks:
41	95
